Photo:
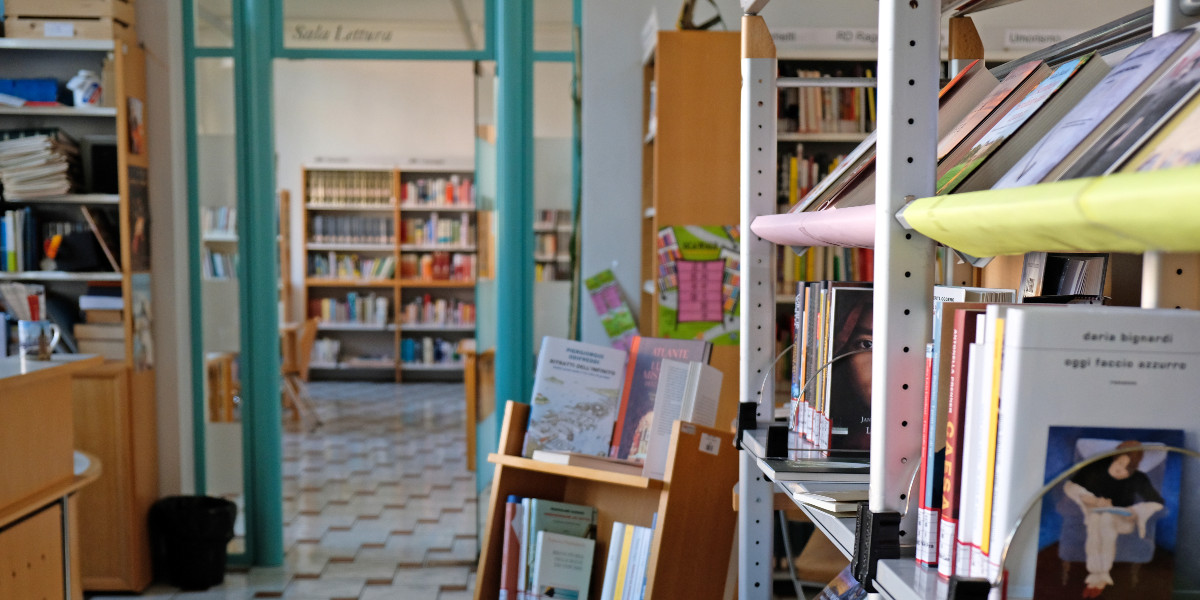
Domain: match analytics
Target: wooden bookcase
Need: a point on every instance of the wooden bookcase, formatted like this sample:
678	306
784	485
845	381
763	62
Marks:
121	497
378	195
689	553
690	159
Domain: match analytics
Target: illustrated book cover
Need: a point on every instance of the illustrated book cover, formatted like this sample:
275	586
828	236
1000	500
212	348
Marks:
631	434
576	388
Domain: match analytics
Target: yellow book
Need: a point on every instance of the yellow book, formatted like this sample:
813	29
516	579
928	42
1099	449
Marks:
623	564
793	180
993	420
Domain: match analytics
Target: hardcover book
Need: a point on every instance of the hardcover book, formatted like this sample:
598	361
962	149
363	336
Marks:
848	387
631	434
575	391
1096	112
1176	145
562	567
1088	366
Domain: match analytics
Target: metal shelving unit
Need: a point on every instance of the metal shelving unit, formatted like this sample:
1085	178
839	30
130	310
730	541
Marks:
908	59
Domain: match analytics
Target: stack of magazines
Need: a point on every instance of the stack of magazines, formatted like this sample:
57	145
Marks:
37	162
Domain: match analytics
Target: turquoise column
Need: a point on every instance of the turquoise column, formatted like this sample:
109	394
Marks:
514	201
258	277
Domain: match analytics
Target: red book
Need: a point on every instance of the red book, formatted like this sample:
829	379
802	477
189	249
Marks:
963	335
926	547
641	383
510	558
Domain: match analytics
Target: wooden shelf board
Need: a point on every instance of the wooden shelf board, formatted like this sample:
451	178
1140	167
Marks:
59	276
352	207
434	368
348	367
437	328
437	283
439	207
88	199
324	326
599	475
379	283
56	44
59	111
435	248
350	247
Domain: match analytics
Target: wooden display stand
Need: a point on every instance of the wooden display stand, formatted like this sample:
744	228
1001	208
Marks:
692	505
690	159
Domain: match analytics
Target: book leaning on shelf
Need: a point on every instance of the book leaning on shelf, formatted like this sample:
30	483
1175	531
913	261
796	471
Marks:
631	431
576	389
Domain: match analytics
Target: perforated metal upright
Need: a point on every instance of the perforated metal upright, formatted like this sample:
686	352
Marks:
757	297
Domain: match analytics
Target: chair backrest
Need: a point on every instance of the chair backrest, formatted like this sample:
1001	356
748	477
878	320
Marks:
304	346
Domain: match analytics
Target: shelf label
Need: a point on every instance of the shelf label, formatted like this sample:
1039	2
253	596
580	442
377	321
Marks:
1035	39
710	444
835	37
58	29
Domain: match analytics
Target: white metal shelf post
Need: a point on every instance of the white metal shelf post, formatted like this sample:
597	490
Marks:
757	299
908	86
1170	280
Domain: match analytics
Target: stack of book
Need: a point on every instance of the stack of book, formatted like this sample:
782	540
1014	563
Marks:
548	549
37	162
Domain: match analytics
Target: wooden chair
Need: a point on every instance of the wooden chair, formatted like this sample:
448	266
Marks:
297	346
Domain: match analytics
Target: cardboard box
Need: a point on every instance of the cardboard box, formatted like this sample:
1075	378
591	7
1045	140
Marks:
120	10
69	29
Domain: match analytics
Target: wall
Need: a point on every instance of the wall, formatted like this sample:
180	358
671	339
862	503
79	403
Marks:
160	29
612	104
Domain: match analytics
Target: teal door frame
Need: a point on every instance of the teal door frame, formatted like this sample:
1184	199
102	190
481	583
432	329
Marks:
257	42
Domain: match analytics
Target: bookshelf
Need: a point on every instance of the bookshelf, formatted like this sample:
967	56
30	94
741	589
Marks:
903	267
390	267
116	506
689	158
692	505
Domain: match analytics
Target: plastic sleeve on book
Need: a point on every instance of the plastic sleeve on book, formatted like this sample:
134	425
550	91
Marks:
1128	212
853	226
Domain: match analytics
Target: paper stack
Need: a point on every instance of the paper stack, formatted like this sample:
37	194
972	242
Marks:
36	162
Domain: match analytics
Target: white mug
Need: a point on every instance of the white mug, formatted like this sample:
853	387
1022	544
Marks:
37	339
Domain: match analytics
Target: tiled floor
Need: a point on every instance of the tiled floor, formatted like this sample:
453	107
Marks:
378	503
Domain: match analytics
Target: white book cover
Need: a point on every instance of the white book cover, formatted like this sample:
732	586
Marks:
576	389
613	560
687	391
562	567
1093	366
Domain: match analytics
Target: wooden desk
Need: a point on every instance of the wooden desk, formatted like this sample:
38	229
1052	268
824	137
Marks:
37	479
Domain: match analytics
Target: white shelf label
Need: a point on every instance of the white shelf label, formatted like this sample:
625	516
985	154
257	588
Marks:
710	444
58	29
829	37
1035	39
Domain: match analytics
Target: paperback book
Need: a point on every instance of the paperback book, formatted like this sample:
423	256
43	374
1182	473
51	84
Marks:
575	392
631	434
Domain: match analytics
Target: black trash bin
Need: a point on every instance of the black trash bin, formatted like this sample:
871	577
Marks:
188	539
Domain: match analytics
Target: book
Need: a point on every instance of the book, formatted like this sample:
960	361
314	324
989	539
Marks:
629	435
509	571
843	587
99	331
564	518
613	560
102	316
1023	126
953	147
110	349
848	386
1062	274
626	542
851	469
562	566
687	391
575	391
590	461
1096	112
1174	87
1175	145
840	501
1086	366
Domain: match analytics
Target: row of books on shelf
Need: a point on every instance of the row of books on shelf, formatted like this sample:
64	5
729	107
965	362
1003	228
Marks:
37	162
339	188
438	266
827	109
555	270
218	265
548	549
349	265
100	332
427	310
598	401
350	229
438	230
32	241
355	308
549	218
218	219
820	263
454	190
547	245
1039	124
429	351
800	169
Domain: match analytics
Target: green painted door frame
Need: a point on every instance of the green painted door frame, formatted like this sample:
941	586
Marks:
258	41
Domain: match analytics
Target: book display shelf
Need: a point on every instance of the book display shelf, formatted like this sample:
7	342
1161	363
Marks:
104	225
904	273
390	268
690	508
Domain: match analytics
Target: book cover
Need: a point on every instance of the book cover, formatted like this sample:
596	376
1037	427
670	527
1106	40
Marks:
993	107
1095	112
1118	516
843	587
849	382
1176	145
927	515
630	439
509	571
626	542
576	387
848	469
562	567
1162	100
613	561
1087	366
996	151
841	501
687	391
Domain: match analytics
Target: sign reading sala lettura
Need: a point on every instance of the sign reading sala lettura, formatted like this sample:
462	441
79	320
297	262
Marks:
355	34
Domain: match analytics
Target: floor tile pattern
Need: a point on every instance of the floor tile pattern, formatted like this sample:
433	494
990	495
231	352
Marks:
378	503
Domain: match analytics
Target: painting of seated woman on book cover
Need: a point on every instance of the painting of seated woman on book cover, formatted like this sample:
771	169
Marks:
1109	530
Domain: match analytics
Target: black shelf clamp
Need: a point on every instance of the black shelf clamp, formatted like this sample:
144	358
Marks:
747	420
876	537
968	588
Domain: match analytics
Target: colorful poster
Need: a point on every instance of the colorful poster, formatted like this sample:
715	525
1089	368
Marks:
613	309
698	279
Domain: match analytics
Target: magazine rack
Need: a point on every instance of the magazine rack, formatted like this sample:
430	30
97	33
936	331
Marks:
693	507
905	166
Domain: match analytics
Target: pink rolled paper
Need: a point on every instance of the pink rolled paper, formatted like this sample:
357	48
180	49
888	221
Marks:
853	227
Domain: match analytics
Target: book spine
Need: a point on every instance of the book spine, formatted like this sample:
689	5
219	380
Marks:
927	517
952	466
511	549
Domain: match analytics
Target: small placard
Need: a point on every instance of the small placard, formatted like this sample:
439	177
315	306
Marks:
58	29
710	444
815	37
1035	39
